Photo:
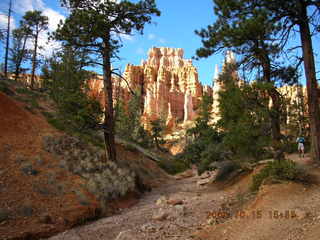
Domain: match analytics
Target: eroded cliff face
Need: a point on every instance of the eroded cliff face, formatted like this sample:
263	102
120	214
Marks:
169	86
169	83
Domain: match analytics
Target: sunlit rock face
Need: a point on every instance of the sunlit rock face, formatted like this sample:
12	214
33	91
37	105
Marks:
169	86
297	101
96	88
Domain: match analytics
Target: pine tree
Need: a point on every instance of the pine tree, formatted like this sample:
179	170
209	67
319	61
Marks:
18	52
8	31
97	27
246	29
128	116
205	146
157	129
36	23
244	116
240	20
66	83
295	13
204	117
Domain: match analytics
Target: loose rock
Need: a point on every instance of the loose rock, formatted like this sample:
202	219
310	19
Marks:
175	202
126	235
301	214
162	200
161	215
180	210
148	228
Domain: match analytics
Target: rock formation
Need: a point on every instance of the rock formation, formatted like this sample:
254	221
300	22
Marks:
169	86
169	83
297	99
215	97
189	114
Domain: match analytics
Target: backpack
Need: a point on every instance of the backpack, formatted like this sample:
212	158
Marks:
301	140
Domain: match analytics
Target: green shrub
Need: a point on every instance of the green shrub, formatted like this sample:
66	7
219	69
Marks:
290	147
51	119
173	166
4	87
88	136
214	152
278	170
56	123
129	148
30	99
34	103
143	138
23	91
225	170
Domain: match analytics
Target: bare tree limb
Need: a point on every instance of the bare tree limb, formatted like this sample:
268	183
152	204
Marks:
121	77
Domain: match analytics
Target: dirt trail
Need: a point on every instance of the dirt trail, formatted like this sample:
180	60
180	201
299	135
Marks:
288	211
190	221
138	223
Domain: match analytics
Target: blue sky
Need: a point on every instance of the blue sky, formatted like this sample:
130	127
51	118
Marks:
174	28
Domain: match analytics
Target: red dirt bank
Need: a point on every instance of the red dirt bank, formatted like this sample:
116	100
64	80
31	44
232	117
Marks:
37	197
35	206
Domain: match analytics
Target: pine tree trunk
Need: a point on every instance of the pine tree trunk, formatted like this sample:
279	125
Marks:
18	66
108	113
275	123
34	59
312	86
274	112
7	41
157	144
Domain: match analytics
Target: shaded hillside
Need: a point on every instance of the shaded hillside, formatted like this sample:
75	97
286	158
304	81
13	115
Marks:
39	193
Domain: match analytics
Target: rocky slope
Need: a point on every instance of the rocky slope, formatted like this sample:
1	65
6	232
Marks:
183	209
174	211
50	182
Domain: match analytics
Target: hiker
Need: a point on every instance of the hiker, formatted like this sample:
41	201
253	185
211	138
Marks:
300	141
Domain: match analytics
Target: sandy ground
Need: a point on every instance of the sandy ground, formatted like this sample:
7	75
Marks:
138	222
288	211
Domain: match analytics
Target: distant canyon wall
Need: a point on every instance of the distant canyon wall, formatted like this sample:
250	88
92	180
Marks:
170	87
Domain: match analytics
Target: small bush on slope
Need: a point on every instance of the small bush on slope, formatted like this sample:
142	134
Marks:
278	170
173	166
